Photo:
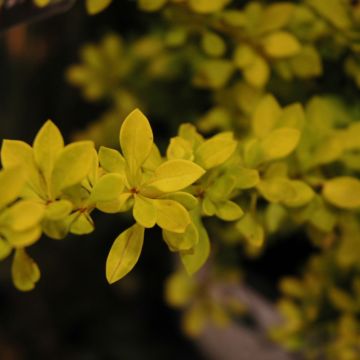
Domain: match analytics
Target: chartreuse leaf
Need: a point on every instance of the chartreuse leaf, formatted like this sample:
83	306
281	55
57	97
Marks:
95	6
108	188
182	242
122	203
151	5
179	289
244	56
266	114
136	140
281	44
47	145
245	178
171	216
302	194
154	159
124	253
215	151
58	210
280	143
25	214
111	160
175	175
251	230
343	192
193	260
12	181
144	211
229	211
72	166
41	3
5	249
25	272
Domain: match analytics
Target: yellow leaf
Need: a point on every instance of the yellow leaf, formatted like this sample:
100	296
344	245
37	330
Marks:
216	150
47	145
12	181
58	210
81	224
280	143
257	73
206	6
343	192
187	200
214	73
95	6
154	159
24	238
281	44
179	148
193	260
276	16
72	166
179	289
41	3
171	216
244	56
229	211
303	194
245	178
124	253
175	175
25	272
25	214
194	320
265	116
108	188
251	230
111	160
276	190
136	140
5	249
213	44
122	203
144	211
307	63
182	242
151	5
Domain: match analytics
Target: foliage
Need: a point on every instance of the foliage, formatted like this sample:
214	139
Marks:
279	84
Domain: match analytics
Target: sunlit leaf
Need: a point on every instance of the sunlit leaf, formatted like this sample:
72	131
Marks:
171	216
144	211
108	188
343	192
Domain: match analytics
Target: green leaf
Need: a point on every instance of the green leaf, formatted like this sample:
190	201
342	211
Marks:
144	211
111	160
95	6
171	216
182	242
25	272
215	151
229	211
343	192
266	114
136	140
12	181
193	260
108	188
175	175
72	166
281	44
280	143
124	253
47	145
